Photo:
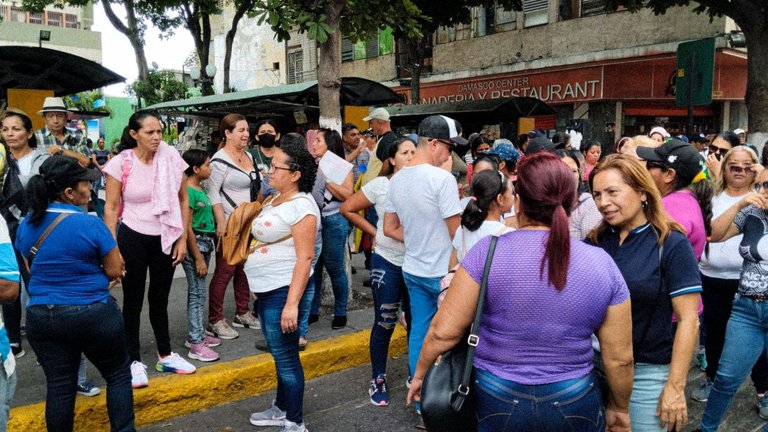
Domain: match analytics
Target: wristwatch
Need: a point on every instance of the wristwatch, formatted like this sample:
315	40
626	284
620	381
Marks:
60	151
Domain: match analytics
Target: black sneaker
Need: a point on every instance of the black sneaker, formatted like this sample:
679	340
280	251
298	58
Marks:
17	350
339	322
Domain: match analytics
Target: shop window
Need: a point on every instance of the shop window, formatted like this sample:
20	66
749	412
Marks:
71	21
295	67
347	50
405	61
381	44
482	21
535	12
54	19
36	18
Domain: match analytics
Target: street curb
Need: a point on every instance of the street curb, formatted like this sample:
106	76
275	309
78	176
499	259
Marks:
177	395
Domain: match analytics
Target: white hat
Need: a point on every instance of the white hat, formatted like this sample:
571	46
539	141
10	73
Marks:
53	104
378	114
739	131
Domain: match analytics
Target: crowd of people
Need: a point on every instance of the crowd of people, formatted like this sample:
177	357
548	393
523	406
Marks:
632	245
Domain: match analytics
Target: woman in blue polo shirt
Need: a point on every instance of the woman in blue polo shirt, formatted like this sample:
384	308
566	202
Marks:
70	310
746	334
659	266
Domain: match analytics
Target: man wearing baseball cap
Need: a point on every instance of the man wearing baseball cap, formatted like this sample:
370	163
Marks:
379	123
423	210
55	136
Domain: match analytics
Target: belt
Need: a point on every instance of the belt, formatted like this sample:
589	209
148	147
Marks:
758	298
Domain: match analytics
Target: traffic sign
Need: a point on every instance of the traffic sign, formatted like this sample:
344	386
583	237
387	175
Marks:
695	72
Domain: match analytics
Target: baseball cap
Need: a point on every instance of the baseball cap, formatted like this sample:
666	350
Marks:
698	138
441	127
675	154
534	133
505	152
739	131
378	114
61	170
659	130
538	144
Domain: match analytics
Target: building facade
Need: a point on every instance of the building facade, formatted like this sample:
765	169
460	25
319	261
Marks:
69	27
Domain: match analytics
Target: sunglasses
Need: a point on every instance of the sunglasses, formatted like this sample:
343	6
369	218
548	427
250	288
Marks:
717	150
738	169
763	185
652	164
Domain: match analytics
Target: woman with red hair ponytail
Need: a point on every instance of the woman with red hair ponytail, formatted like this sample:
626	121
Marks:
533	364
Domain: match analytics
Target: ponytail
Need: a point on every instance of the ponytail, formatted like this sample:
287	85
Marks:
703	190
38	195
486	186
558	251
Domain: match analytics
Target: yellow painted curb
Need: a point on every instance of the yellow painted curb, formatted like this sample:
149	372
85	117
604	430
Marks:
177	395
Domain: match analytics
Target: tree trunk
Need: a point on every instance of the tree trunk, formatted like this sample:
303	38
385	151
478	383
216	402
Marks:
416	60
198	23
757	78
132	32
230	39
328	69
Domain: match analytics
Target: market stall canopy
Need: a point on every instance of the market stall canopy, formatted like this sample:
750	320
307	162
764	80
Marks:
25	67
472	112
280	100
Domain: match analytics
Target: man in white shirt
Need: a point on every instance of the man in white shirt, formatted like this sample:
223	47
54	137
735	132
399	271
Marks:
423	210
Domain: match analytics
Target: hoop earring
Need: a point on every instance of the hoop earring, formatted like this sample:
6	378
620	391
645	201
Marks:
645	205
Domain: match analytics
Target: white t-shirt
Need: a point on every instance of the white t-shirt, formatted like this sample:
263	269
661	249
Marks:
423	196
723	260
471	237
386	247
271	267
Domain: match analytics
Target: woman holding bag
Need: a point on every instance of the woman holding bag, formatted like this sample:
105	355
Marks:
535	373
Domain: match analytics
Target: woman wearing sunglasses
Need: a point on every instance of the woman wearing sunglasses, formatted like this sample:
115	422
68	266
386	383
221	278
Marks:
720	145
746	334
720	268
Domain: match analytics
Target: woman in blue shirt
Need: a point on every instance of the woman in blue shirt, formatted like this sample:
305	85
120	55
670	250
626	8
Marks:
70	310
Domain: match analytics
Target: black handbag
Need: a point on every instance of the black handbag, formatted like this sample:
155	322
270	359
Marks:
447	402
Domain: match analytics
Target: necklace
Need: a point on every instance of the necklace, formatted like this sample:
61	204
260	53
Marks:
239	157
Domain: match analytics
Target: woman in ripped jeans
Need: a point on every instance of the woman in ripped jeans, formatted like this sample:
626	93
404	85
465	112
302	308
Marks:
386	264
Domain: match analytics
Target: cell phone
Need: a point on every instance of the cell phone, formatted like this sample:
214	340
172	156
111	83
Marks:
718	156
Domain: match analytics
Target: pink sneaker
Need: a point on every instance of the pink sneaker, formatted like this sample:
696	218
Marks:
203	353
209	341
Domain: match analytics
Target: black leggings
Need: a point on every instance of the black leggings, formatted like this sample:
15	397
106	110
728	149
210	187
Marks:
718	300
142	252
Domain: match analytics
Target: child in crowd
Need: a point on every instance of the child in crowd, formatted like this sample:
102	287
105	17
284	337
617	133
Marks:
201	233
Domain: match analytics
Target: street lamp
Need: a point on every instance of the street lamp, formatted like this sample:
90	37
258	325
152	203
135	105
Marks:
206	82
45	35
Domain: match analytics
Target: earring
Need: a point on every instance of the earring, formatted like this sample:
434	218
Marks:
645	205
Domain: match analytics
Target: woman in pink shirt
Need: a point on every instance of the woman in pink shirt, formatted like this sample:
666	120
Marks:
147	193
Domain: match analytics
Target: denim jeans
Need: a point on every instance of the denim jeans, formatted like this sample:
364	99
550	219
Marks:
7	389
309	291
646	388
58	334
389	291
335	232
423	294
284	348
746	339
570	405
196	289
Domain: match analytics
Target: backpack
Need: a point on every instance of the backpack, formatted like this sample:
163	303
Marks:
236	241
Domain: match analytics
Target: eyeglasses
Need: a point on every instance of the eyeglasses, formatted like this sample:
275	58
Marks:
273	167
717	150
652	164
738	169
763	185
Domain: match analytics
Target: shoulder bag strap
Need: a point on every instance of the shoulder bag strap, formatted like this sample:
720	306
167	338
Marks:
473	339
34	249
227	197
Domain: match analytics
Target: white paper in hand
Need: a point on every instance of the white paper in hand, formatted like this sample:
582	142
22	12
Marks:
334	168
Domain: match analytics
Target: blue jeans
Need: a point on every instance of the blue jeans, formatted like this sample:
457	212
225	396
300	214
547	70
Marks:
7	389
335	232
389	292
310	290
423	294
570	405
746	339
284	348
196	289
646	388
58	334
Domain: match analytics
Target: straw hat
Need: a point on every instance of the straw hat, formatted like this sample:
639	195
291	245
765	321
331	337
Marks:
53	104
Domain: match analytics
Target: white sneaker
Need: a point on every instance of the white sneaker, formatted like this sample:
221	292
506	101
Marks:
139	375
176	364
293	427
246	320
272	416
